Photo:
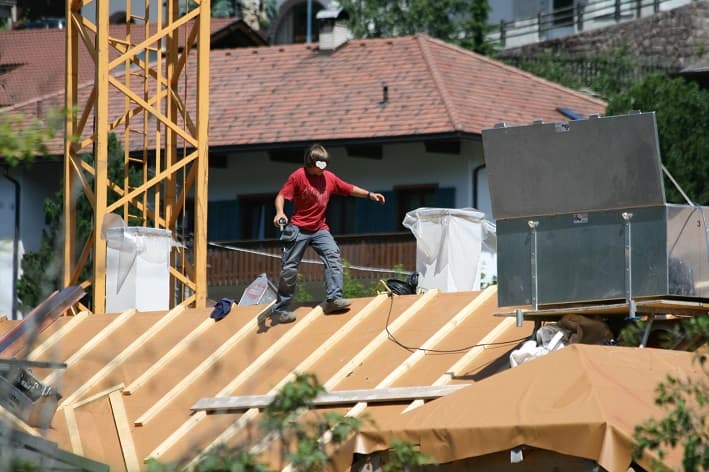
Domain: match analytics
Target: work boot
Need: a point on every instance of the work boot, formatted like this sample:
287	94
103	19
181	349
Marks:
282	317
333	306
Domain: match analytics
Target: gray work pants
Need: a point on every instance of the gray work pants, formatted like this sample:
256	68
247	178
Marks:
295	242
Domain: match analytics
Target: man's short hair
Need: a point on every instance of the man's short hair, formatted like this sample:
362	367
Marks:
316	153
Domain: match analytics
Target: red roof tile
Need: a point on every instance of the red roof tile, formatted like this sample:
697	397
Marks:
297	93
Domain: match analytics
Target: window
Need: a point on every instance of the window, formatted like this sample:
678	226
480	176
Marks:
342	214
300	22
563	13
368	151
410	197
256	217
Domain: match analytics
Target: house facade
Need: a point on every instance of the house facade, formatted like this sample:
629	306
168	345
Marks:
401	116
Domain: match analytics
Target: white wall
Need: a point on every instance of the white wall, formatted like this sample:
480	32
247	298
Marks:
402	164
42	180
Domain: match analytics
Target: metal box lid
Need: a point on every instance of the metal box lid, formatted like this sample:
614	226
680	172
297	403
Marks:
594	164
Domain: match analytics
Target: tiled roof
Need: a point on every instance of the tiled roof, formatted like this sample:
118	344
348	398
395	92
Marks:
263	96
41	55
299	93
159	364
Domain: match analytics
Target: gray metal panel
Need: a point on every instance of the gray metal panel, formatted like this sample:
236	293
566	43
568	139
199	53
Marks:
688	255
587	165
581	257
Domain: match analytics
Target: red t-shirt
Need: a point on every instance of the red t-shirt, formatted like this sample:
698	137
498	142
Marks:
310	195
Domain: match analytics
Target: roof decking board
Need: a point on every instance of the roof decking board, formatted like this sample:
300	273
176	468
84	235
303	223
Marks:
124	355
93	342
305	366
278	359
56	332
343	350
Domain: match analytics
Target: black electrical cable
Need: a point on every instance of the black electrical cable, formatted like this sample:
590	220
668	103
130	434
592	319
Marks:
438	351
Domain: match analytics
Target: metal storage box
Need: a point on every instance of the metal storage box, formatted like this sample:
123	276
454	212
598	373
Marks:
28	398
581	215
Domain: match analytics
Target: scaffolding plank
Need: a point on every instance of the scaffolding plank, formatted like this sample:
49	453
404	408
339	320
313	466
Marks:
343	397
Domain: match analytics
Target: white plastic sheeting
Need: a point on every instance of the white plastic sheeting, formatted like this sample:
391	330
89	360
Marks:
260	291
6	274
137	268
456	249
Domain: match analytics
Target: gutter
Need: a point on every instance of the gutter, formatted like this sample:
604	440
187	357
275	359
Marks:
476	171
15	244
398	139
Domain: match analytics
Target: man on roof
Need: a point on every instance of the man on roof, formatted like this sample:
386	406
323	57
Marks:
310	187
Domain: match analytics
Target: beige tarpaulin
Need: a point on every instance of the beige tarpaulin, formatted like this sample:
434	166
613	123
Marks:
581	401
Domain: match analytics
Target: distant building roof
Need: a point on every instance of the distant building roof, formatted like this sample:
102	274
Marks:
39	56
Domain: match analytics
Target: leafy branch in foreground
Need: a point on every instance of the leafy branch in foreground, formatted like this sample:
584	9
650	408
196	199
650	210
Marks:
686	421
22	143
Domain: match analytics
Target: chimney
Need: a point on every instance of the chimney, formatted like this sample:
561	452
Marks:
332	29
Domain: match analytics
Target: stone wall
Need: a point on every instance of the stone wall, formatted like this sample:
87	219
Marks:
673	39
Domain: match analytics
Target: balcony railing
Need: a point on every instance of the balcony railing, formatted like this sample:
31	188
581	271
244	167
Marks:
582	16
369	256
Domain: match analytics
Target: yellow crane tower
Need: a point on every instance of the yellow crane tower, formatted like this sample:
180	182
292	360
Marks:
151	89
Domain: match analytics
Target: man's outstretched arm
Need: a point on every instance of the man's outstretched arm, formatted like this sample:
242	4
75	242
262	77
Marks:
362	193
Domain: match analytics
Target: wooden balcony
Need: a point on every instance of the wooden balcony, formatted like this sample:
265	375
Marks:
236	263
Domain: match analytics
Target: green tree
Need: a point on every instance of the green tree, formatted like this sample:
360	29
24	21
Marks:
686	401
219	8
606	75
23	143
270	13
301	294
351	287
461	22
682	113
403	454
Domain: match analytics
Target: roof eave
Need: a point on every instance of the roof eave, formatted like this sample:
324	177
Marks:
265	146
